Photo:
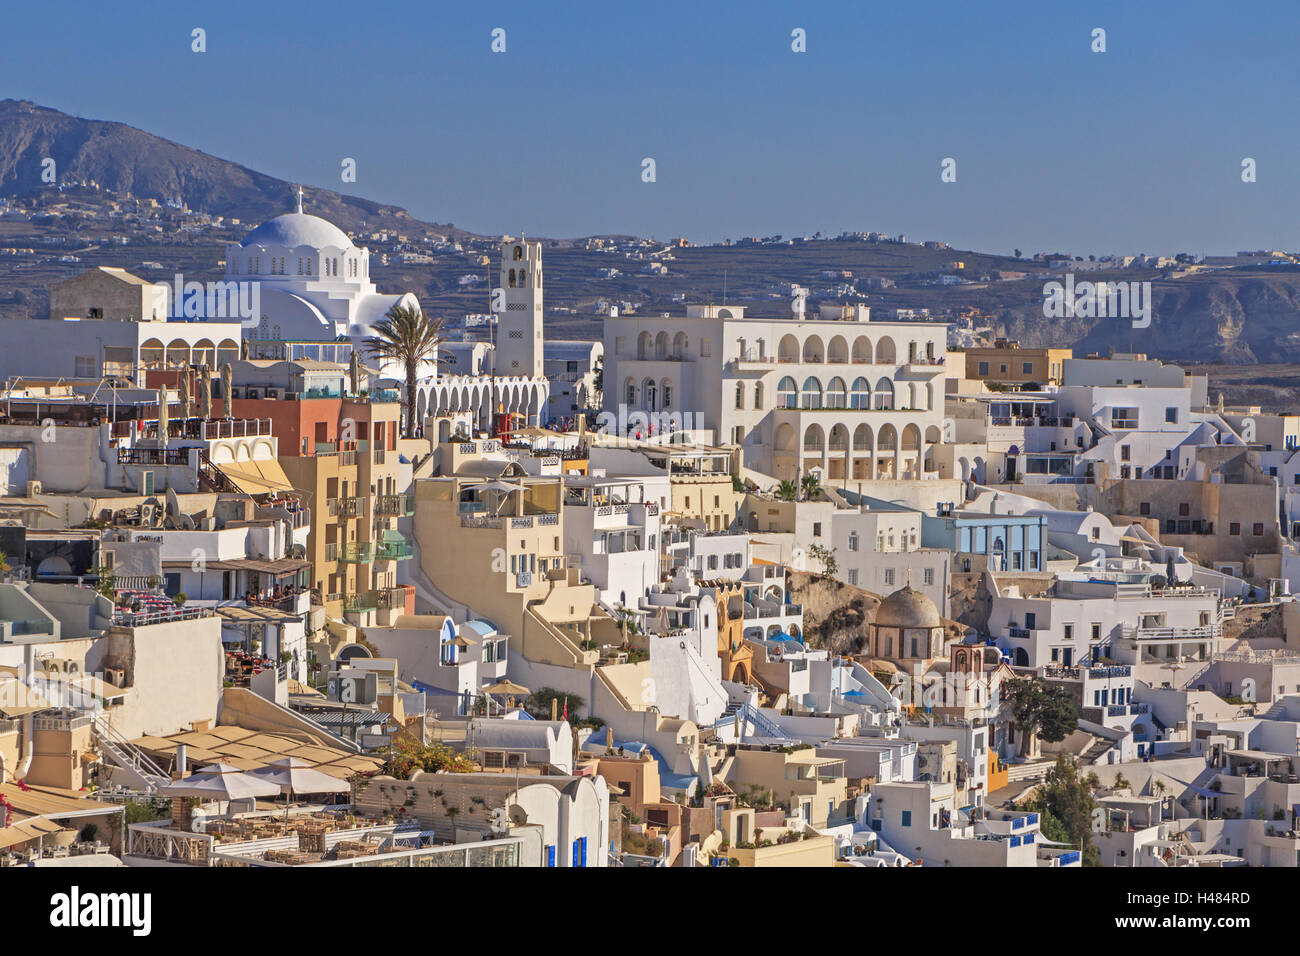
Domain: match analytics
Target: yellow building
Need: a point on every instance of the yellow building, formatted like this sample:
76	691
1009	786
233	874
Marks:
1006	363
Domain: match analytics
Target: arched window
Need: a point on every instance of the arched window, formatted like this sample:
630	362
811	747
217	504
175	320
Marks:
786	393
651	392
629	392
511	279
740	395
758	395
810	396
667	392
861	394
523	278
519	253
836	393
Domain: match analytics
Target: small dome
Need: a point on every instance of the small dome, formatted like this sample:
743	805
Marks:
295	229
907	608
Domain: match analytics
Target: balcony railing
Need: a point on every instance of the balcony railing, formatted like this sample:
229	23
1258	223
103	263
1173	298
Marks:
353	507
393	551
395	505
357	552
361	602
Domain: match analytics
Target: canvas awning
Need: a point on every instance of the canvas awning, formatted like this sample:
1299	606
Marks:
19	700
87	684
258	477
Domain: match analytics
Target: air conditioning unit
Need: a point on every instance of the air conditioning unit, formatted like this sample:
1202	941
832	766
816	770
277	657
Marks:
524	579
116	676
516	761
252	393
272	393
33	489
146	482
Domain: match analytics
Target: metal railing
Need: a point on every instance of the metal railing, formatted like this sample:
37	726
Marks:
395	505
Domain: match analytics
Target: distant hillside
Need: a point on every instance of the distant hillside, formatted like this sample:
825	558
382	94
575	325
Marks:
1237	318
131	161
1229	318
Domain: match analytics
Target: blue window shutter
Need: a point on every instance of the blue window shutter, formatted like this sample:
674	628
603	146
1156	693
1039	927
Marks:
584	851
575	852
550	855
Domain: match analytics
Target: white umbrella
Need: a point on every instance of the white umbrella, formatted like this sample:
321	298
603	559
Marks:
294	775
222	782
164	415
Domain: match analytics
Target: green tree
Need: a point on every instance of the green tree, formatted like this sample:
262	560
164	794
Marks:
826	557
538	703
810	485
406	336
1066	804
787	491
409	755
1040	708
105	580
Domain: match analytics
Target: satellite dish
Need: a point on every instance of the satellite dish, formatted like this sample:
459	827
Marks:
173	502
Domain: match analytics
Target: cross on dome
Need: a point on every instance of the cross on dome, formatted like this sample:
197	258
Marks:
299	200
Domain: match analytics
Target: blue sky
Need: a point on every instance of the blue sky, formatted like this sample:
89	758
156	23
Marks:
1138	149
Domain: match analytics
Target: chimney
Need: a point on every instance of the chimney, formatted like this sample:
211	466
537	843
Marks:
181	762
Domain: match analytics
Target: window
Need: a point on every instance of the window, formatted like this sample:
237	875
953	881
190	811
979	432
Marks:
817	529
1257	529
740	395
1096	632
1125	453
1171	416
853	577
1184	510
1234	528
1144	508
853	541
983	368
927	576
889	576
1027	368
907	818
85	366
1068	632
706	348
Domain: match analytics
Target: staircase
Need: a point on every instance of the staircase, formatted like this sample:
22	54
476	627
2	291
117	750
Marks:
1095	750
1277	711
212	478
762	725
122	753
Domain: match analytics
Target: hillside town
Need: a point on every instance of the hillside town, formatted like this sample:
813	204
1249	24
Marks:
294	574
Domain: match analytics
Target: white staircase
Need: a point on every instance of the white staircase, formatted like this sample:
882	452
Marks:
123	754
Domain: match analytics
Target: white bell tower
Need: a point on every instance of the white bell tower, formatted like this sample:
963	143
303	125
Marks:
519	326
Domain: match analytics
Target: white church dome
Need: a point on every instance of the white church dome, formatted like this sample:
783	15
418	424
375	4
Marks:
295	229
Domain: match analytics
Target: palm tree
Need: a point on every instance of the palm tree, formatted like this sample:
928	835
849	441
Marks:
811	486
787	490
407	336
